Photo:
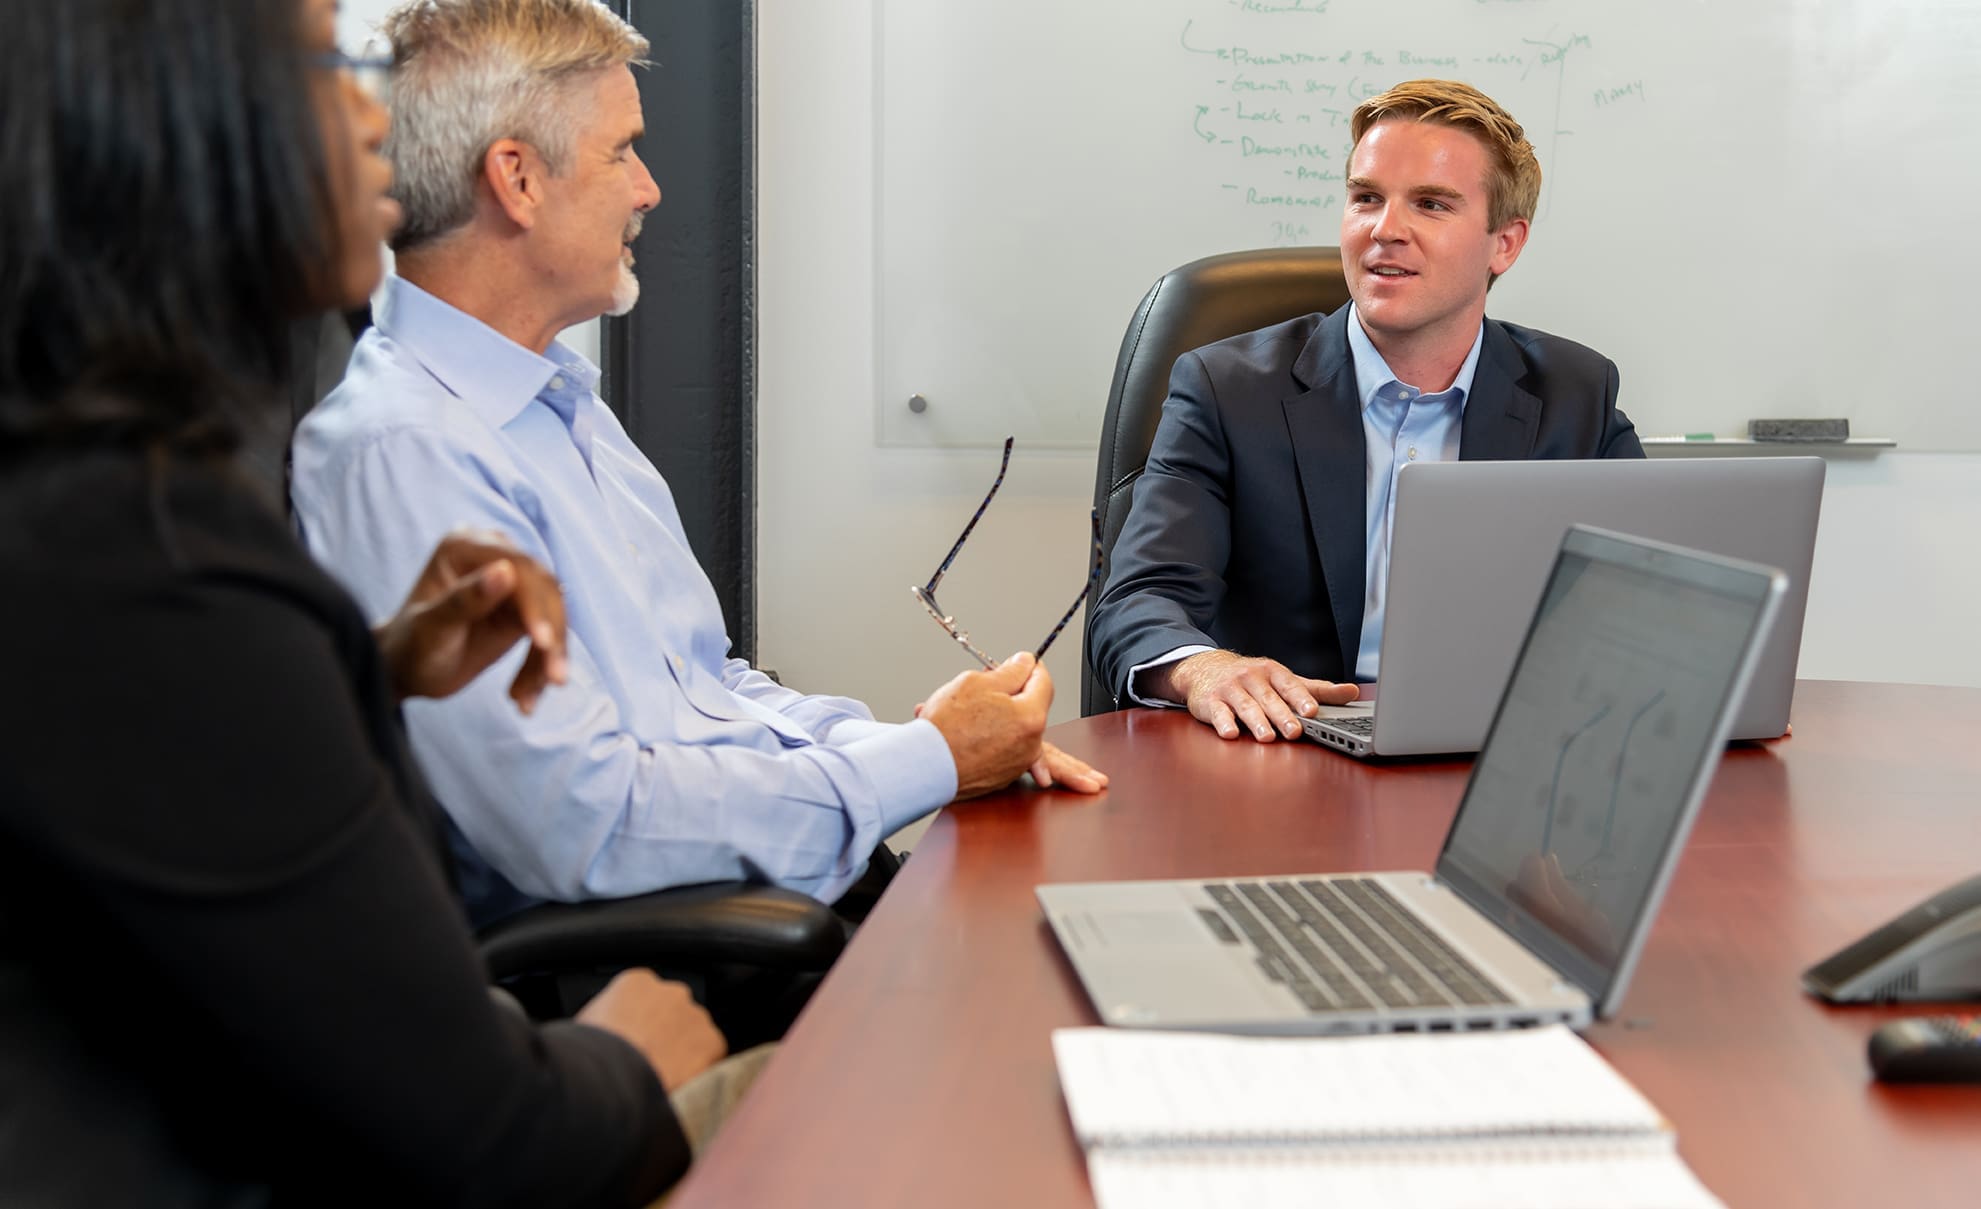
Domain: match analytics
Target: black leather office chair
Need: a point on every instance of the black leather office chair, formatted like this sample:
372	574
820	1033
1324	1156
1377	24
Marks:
684	932
1204	301
678	931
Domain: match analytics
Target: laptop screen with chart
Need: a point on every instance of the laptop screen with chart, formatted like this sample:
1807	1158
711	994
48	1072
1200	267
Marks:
1551	874
1574	804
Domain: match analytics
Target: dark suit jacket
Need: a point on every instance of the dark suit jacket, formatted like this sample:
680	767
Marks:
1247	528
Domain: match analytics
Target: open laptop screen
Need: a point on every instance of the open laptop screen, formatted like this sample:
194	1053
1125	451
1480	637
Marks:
1609	726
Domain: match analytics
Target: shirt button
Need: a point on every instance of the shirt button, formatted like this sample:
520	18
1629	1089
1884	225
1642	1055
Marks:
557	383
677	662
1413	453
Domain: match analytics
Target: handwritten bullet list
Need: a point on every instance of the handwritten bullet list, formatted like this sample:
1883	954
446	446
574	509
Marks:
1275	89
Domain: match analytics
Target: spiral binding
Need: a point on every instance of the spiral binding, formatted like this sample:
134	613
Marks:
1410	1151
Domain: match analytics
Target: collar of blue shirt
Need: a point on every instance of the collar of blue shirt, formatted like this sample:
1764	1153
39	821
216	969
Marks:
1372	373
495	376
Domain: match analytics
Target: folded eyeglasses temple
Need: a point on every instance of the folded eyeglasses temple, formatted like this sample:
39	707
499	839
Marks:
929	588
1093	575
926	593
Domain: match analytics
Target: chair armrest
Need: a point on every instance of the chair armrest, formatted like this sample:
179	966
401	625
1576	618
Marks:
689	926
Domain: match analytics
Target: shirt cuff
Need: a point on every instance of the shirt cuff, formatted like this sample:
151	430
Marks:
909	766
1161	661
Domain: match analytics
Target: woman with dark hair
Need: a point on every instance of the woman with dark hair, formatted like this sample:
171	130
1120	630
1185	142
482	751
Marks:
231	969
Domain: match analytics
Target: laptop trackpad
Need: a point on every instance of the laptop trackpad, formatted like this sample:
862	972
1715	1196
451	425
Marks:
1134	929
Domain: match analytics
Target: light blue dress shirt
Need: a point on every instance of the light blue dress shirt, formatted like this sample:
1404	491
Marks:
1400	425
663	762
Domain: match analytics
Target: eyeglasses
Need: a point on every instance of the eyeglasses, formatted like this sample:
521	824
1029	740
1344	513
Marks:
926	593
371	69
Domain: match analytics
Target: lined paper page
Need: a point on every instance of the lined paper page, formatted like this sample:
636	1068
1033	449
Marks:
1125	1087
1427	1179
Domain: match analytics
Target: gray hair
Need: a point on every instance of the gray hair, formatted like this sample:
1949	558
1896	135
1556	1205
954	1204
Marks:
471	72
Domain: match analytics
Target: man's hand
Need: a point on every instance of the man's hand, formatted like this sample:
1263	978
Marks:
1055	767
662	1021
477	595
1226	691
992	722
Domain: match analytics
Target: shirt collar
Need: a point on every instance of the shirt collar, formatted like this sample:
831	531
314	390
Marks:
495	376
1372	373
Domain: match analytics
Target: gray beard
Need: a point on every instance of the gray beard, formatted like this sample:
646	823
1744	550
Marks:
625	292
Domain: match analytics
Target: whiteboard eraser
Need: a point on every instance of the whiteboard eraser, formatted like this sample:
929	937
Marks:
1799	430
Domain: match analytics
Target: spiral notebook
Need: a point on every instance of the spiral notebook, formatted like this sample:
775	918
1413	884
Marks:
1531	1118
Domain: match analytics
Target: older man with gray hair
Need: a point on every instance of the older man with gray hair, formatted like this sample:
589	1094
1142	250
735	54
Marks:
664	762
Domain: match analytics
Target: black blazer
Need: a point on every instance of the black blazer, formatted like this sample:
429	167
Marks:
231	968
1247	530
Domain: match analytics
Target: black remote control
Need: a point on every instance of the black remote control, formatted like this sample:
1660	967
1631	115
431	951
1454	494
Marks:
1928	1049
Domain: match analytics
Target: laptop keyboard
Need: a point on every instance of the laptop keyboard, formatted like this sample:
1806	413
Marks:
1355	724
1346	944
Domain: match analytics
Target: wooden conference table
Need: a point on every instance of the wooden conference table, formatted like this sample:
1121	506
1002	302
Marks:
921	1074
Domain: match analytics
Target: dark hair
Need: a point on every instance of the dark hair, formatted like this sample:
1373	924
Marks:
168	218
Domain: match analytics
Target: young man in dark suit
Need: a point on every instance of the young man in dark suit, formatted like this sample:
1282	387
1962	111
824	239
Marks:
1249	581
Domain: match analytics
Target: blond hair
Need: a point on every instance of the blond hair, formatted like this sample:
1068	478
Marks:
1513	185
470	72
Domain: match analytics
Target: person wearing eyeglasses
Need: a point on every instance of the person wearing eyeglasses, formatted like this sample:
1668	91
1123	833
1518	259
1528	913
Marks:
232	968
1250	579
665	762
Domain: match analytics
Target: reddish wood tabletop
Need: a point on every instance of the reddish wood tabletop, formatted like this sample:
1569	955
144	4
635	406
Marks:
921	1074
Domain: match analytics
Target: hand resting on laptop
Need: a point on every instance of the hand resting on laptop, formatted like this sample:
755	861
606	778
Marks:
1226	691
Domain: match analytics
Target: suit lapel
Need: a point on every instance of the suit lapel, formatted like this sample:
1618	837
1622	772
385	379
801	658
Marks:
1501	419
1324	421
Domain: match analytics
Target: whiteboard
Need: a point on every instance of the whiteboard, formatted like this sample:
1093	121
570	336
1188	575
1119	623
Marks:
1758	208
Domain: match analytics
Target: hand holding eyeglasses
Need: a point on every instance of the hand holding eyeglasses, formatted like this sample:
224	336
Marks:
1049	765
993	722
1053	767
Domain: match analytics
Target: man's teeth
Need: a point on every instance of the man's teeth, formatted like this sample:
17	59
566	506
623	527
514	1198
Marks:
1391	273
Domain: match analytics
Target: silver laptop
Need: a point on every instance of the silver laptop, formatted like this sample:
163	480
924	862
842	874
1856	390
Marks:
1472	542
1551	874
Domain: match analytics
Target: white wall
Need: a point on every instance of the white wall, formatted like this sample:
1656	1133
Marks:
844	527
1896	590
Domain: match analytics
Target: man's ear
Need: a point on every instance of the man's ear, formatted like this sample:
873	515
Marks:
1507	243
515	173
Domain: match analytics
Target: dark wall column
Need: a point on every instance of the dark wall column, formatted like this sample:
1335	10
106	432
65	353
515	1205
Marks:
680	370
